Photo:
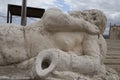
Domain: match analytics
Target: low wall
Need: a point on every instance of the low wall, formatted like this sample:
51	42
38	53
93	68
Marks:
113	54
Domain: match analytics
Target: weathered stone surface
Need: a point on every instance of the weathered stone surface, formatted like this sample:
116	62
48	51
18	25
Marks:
13	73
59	47
93	16
12	48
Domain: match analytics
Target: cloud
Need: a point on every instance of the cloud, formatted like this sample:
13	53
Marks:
4	3
42	4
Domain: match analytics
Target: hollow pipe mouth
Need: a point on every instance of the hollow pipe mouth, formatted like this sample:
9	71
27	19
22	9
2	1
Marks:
46	62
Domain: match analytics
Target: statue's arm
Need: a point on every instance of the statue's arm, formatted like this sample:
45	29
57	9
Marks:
90	62
91	46
103	46
56	21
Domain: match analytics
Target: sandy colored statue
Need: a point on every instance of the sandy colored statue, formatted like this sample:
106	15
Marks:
59	46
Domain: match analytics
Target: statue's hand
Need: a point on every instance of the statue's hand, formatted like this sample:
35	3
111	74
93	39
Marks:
91	28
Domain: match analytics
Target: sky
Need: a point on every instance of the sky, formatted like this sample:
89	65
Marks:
109	7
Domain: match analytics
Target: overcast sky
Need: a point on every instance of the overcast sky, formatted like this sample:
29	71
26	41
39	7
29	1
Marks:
109	7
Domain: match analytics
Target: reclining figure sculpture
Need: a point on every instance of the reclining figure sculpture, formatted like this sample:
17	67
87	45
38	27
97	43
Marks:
59	46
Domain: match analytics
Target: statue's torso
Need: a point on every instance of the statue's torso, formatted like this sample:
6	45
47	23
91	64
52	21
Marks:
69	41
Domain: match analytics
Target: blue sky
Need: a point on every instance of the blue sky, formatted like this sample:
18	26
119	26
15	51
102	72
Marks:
110	8
62	5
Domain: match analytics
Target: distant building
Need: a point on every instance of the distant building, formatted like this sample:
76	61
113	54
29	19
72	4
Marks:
114	32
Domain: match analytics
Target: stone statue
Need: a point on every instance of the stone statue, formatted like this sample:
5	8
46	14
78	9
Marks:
59	46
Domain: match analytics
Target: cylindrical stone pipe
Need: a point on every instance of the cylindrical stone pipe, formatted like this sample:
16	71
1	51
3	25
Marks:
55	59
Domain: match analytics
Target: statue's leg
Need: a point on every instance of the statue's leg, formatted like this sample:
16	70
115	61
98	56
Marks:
27	63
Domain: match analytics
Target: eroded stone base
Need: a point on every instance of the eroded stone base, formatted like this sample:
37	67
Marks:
12	73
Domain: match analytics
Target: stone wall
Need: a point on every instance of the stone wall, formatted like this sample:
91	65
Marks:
114	32
113	54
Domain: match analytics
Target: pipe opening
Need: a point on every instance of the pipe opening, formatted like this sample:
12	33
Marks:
46	63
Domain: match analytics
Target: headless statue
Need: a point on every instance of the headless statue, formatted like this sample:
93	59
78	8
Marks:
59	46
